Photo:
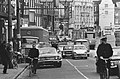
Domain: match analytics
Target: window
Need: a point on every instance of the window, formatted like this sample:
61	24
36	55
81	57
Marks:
106	12
106	5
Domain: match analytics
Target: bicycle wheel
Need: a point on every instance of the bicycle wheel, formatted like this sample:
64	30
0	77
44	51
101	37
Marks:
30	71
106	75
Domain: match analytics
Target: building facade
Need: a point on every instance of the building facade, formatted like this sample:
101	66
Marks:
3	18
96	18
109	14
106	14
83	14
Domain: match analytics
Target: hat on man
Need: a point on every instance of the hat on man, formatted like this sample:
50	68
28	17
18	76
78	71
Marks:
104	38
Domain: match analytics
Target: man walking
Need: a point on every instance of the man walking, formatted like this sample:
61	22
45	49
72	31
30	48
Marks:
4	56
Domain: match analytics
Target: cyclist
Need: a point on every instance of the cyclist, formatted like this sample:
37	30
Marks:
55	45
34	53
104	50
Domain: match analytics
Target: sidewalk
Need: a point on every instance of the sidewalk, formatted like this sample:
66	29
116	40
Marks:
13	73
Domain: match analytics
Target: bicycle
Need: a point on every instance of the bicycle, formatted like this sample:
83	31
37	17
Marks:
105	74
31	71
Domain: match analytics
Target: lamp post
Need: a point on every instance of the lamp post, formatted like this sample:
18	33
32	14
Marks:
18	26
9	21
53	17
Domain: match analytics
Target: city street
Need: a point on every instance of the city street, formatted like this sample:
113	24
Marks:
71	69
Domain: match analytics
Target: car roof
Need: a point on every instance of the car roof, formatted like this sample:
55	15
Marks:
79	45
47	48
81	40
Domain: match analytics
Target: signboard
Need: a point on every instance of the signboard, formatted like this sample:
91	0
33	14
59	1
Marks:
107	32
90	28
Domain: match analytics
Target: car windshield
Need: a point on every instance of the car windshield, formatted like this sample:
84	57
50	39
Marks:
47	50
79	47
68	48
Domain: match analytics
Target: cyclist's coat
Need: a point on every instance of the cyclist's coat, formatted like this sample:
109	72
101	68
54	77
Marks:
104	50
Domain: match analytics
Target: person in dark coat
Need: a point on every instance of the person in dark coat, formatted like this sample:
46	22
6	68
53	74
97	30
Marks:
104	50
55	45
4	56
10	52
34	53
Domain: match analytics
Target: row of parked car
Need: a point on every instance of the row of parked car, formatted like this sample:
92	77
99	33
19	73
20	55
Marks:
50	56
74	51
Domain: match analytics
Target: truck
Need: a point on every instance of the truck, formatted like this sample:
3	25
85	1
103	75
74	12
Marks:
30	35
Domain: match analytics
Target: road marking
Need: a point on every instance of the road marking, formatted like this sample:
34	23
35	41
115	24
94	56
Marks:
77	69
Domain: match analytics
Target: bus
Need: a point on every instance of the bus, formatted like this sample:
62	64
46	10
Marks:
30	35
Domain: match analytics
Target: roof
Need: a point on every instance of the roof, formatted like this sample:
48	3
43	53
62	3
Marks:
115	1
79	45
81	40
30	37
33	27
97	1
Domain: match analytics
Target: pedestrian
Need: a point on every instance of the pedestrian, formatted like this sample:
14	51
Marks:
34	53
10	52
55	45
104	50
4	56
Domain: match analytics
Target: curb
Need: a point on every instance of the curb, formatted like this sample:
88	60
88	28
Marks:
19	73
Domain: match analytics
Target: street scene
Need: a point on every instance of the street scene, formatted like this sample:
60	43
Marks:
71	69
59	39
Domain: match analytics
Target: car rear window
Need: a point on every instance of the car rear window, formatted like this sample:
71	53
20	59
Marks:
79	47
67	48
47	51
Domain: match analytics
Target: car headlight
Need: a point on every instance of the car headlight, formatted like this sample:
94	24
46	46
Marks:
57	58
86	52
74	53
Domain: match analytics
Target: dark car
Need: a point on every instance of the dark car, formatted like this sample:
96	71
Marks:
49	56
67	51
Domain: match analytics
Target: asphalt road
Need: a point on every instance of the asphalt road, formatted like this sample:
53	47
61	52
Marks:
71	69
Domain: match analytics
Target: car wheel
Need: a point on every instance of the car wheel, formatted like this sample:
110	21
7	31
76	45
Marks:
85	57
63	56
73	57
59	64
119	71
88	55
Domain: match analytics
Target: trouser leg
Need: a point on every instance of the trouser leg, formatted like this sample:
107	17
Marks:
35	65
101	76
5	68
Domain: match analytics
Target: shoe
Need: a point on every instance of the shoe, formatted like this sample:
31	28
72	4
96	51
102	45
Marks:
5	73
34	72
